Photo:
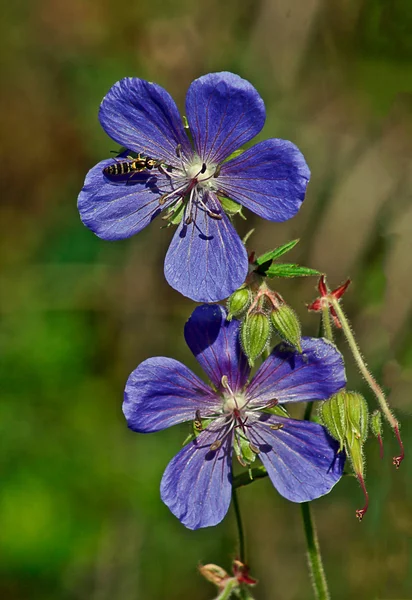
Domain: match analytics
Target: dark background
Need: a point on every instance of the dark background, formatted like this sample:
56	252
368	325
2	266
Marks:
80	513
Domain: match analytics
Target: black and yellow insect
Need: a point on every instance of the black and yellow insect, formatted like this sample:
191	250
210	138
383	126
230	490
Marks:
132	165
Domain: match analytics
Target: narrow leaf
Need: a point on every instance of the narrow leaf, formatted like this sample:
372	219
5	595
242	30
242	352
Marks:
276	253
289	270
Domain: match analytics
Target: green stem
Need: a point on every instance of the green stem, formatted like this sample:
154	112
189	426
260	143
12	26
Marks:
373	384
319	582
241	534
326	321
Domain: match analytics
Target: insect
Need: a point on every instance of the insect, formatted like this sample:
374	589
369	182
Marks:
132	165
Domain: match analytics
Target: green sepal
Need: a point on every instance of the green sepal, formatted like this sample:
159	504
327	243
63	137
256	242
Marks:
243	451
287	270
333	416
279	410
234	154
231	207
358	417
238	302
287	325
254	335
276	253
376	423
174	215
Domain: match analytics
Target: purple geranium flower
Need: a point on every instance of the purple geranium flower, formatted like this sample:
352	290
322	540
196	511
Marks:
206	260
301	458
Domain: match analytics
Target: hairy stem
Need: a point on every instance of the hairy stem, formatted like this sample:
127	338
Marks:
317	572
373	384
326	322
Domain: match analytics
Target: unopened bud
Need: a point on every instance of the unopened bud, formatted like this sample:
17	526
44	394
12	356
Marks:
238	302
376	427
214	574
286	324
376	423
254	335
358	416
333	417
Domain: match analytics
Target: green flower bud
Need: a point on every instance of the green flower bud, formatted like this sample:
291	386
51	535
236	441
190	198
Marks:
333	417
286	324
357	416
376	423
238	302
254	335
354	449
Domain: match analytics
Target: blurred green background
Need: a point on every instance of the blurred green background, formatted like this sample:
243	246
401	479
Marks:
80	512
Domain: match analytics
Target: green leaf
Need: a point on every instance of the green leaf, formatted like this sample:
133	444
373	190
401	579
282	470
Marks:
289	270
276	253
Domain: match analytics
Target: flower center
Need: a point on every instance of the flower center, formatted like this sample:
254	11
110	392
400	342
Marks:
201	172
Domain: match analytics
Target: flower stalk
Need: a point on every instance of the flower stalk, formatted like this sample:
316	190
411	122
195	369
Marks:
317	572
373	384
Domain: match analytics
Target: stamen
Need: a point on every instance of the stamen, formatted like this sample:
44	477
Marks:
225	384
216	445
254	448
277	426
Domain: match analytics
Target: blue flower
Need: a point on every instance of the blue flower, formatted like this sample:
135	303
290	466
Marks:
301	458
206	260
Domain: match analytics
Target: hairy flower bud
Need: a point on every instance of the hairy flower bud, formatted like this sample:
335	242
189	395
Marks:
376	427
254	335
238	302
357	415
286	324
332	414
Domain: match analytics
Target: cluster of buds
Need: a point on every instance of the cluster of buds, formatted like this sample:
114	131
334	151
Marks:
236	585
262	312
346	417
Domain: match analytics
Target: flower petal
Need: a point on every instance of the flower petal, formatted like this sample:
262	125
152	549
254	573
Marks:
270	179
206	260
162	392
115	211
288	376
224	112
197	483
215	344
301	458
143	117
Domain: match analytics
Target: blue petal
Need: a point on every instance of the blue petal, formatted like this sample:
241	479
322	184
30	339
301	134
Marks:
206	260
162	392
224	112
301	458
143	117
115	211
197	483
270	179
215	344
288	376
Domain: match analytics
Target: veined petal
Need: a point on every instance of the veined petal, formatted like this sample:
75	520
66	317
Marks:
206	260
115	211
142	116
224	112
162	392
301	458
288	376
197	483
269	179
215	344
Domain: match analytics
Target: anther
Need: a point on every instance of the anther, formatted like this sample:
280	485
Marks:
203	169
215	445
276	426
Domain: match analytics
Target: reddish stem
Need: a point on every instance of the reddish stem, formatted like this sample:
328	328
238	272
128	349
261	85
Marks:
360	512
380	440
398	459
